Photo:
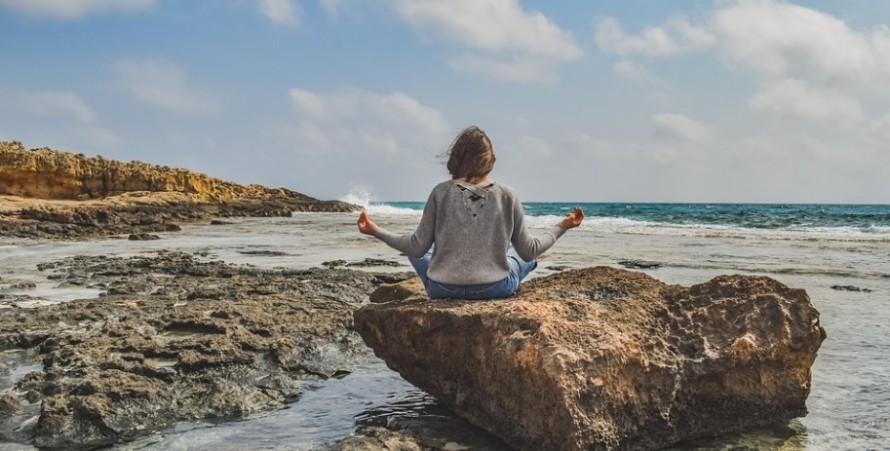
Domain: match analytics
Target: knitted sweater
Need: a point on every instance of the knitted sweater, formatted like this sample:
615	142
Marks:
472	228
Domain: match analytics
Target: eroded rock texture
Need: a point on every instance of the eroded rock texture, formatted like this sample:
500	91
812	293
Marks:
49	174
46	193
603	358
174	338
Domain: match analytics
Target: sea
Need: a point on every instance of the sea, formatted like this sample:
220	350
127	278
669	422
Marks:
840	254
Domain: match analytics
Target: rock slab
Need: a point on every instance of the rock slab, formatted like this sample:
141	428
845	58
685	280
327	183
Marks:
603	358
172	338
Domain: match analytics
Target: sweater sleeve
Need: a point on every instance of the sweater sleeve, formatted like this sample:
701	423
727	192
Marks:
417	243
527	246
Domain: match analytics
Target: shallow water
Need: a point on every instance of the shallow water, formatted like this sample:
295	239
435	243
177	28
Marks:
850	399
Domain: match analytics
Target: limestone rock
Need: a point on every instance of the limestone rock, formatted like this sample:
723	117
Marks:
49	174
46	193
174	338
603	358
397	291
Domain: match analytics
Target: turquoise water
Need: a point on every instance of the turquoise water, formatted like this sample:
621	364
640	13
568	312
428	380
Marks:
866	218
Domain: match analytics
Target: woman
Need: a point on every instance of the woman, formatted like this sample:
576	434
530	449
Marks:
462	246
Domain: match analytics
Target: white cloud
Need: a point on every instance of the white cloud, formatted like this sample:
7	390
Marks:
492	25
388	142
772	38
74	9
350	119
653	41
680	127
281	12
626	68
676	37
162	84
780	39
531	146
62	116
817	79
798	99
334	7
56	103
511	69
524	42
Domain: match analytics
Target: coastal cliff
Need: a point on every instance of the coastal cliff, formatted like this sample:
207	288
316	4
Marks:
45	173
49	193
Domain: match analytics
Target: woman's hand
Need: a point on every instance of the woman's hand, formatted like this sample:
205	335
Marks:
365	224
573	219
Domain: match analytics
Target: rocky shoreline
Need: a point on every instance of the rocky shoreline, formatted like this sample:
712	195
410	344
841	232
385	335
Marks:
174	338
49	194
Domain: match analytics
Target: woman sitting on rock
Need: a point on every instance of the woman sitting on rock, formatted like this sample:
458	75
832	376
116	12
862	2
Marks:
471	242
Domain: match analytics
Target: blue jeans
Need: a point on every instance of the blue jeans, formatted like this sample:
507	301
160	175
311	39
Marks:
519	269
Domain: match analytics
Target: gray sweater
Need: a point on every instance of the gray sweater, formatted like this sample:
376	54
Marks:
472	228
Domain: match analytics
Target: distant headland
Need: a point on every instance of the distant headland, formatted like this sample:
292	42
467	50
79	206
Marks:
46	193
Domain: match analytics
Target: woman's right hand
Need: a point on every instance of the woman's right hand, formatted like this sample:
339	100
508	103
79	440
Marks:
365	224
573	219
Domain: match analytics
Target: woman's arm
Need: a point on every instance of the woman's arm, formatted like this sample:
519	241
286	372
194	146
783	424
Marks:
414	244
530	247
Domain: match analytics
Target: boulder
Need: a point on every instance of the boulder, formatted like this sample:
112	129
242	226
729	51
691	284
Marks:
604	358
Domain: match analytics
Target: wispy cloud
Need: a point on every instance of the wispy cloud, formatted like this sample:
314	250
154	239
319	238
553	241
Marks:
350	119
798	99
281	12
61	114
811	70
502	40
774	39
334	7
73	9
677	36
630	70
680	127
162	84
58	103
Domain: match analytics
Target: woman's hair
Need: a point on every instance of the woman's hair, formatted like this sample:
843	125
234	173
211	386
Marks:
470	155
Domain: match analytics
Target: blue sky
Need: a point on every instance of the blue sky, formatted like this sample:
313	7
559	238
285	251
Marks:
680	101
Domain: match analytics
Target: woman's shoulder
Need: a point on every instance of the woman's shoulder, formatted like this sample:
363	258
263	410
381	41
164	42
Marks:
442	186
506	189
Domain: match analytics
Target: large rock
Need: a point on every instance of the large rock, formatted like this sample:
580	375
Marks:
604	358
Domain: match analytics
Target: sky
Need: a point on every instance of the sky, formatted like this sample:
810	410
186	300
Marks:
592	101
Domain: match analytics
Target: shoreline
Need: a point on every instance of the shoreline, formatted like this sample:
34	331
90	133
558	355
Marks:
165	329
307	240
138	214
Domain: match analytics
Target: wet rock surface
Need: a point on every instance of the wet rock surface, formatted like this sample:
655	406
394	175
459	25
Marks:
174	338
603	358
639	264
850	288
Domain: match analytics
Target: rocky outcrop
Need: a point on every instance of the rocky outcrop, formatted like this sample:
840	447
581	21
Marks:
605	358
45	173
174	338
82	196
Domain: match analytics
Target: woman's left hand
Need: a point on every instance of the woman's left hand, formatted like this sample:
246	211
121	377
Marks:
573	219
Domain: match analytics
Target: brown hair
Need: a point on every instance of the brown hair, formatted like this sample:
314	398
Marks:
470	155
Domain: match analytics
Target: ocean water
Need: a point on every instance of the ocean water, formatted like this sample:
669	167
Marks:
815	247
